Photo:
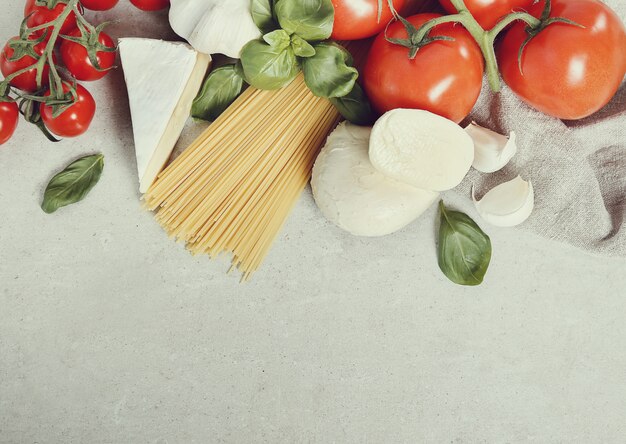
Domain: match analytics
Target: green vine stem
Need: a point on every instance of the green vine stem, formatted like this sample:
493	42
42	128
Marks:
56	84
484	38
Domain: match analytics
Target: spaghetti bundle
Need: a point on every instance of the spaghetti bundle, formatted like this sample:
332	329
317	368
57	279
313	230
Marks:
233	188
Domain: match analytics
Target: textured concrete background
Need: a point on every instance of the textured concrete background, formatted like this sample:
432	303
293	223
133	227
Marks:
112	333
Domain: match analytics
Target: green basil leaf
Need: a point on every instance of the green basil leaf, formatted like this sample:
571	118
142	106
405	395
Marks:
464	250
73	183
278	39
219	90
355	107
328	73
301	47
262	15
310	19
266	67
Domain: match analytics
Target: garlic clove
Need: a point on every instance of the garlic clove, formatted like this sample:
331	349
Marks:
508	204
492	151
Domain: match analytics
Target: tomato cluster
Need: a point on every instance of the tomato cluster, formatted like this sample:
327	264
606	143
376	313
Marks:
86	52
568	64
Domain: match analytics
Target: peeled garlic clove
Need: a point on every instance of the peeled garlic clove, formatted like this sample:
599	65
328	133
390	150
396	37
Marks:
508	204
492	151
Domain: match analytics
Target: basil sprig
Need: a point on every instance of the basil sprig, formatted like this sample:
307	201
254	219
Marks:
220	89
464	250
295	40
73	183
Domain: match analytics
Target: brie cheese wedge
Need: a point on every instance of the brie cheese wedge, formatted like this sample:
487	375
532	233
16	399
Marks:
162	79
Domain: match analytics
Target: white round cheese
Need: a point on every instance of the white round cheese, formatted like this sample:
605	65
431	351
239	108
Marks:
352	194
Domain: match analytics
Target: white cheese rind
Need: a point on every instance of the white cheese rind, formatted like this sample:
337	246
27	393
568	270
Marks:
162	79
353	195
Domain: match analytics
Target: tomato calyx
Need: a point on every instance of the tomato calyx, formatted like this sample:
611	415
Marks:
415	41
90	39
533	31
418	38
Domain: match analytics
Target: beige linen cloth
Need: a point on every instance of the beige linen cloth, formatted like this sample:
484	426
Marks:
578	168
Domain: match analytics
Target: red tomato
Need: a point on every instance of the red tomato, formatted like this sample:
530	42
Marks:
39	15
358	19
489	12
567	71
151	5
76	60
75	120
444	78
8	120
99	5
28	80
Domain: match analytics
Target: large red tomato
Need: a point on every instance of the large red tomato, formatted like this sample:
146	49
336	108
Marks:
26	81
76	58
76	119
445	77
358	19
567	71
489	12
39	15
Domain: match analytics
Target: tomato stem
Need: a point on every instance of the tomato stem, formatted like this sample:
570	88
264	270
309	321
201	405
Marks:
484	38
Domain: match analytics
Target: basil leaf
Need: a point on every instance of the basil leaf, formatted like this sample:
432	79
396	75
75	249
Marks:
464	250
219	90
301	47
262	15
354	106
267	67
73	183
328	73
310	19
278	39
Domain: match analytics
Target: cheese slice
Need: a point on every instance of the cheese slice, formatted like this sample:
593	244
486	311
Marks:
162	79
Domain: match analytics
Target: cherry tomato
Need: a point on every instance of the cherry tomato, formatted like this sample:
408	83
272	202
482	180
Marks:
26	81
76	59
567	71
151	5
99	5
358	19
39	15
489	12
444	78
75	120
8	120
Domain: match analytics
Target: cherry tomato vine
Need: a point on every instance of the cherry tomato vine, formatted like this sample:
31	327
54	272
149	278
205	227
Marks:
34	79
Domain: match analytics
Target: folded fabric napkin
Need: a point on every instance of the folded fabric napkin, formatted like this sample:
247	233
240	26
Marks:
578	168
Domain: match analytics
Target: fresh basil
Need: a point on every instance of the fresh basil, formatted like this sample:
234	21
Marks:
73	183
328	73
301	47
278	39
219	90
464	250
354	106
268	67
262	15
310	19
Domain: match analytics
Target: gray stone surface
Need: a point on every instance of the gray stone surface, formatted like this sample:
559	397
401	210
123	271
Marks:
112	333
